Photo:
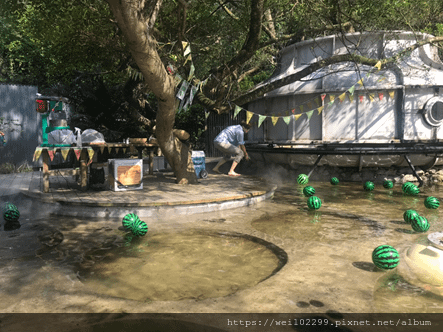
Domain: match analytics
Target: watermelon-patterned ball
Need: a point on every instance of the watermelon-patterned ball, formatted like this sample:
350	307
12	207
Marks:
334	180
11	214
368	186
8	206
309	191
388	184
314	203
385	257
432	202
129	220
420	224
408	215
139	228
410	188
302	179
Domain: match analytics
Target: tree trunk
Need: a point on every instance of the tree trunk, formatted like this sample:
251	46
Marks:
136	19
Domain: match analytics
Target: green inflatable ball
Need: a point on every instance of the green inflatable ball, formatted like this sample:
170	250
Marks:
385	257
388	184
408	215
314	203
420	224
334	180
368	186
302	179
129	220
139	228
8	206
410	188
309	191
11	214
432	202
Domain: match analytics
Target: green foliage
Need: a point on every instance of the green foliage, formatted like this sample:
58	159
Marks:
193	121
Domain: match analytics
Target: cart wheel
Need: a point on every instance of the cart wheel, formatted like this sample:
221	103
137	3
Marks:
203	174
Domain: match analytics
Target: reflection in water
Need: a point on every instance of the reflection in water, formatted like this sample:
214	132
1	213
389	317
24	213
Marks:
351	221
176	266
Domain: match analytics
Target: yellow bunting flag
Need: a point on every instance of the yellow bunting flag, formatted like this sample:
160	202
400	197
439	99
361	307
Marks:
207	115
274	119
342	96
371	97
237	110
248	116
116	150
91	153
331	98
351	90
64	153
360	82
378	65
102	149
320	109
109	150
261	118
287	119
309	114
391	94
37	154
297	116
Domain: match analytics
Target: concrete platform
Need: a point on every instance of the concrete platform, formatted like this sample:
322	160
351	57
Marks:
160	195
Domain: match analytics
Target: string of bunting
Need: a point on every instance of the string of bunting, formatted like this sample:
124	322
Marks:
319	103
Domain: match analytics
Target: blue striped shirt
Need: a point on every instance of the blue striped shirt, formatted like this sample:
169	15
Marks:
232	134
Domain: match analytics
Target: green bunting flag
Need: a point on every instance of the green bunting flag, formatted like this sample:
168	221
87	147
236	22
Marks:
287	119
309	114
261	118
237	110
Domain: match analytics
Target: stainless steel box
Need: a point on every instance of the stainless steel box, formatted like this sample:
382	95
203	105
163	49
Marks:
125	174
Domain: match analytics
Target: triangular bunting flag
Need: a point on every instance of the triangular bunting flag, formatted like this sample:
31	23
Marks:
287	119
237	110
109	150
323	96
380	95
293	111
37	154
78	153
64	153
317	102
351	98
51	154
206	114
261	118
91	153
116	150
309	114
371	97
309	104
351	90
391	94
360	82
331	98
297	116
248	116
361	98
124	150
342	97
102	149
301	108
274	119
378	65
320	109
